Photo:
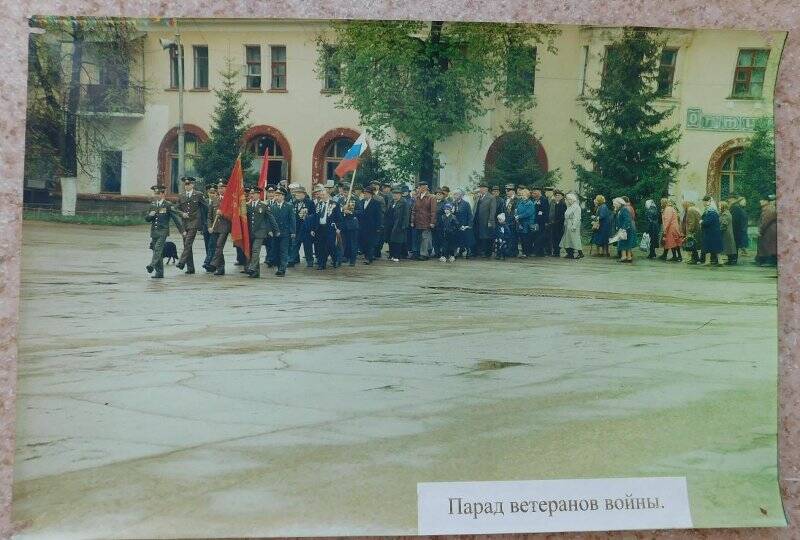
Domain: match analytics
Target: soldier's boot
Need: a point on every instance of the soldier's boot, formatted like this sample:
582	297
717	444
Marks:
180	266
219	271
190	270
157	275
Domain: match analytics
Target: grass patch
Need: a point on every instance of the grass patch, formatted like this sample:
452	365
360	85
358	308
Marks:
85	219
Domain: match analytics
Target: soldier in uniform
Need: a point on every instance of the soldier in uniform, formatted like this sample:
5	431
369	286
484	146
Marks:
190	204
221	226
211	213
286	220
161	211
261	224
305	213
270	258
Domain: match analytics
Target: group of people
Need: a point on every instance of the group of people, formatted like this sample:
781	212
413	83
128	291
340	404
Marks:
336	223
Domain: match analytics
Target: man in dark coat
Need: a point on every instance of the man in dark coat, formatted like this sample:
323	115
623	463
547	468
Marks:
397	222
370	222
192	204
261	224
484	223
328	223
556	229
305	213
711	232
465	238
286	218
510	209
540	217
739	222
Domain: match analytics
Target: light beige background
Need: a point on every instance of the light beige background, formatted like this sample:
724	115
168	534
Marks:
761	15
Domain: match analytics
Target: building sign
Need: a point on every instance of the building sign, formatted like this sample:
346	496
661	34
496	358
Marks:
696	119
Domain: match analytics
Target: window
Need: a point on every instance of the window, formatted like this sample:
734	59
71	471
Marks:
334	154
189	158
277	169
585	66
253	67
114	73
111	171
748	79
333	70
174	61
731	168
666	72
612	55
521	65
278	67
201	66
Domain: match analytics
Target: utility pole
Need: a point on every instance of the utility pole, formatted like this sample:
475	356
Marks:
181	138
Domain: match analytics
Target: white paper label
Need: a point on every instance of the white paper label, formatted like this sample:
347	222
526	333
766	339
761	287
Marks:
607	504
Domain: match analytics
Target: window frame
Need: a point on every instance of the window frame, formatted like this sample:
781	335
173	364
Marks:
329	51
195	49
247	63
670	68
103	163
748	70
275	65
734	155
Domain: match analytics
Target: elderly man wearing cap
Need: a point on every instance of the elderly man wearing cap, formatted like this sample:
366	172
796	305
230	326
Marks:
485	216
159	216
328	224
370	223
191	204
396	224
423	221
305	213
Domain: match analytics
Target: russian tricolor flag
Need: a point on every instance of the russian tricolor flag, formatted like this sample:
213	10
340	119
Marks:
350	160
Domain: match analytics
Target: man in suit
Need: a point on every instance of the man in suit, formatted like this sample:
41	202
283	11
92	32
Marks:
397	220
510	209
557	211
370	222
159	216
485	214
305	213
286	219
328	223
261	224
540	217
191	204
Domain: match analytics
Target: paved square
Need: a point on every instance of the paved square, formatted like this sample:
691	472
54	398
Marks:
313	404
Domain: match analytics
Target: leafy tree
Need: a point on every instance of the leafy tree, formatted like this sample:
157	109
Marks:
629	149
63	85
415	83
757	178
217	155
517	161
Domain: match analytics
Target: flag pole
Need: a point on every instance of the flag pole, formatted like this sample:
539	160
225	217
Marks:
352	180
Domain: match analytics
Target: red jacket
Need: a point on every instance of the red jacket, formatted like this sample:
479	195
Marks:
423	213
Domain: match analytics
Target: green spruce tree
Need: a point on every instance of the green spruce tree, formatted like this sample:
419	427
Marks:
217	155
757	178
517	162
628	149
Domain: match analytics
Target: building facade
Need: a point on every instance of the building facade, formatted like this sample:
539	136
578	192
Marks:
718	81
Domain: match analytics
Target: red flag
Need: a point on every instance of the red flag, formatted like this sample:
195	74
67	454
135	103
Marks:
233	206
262	175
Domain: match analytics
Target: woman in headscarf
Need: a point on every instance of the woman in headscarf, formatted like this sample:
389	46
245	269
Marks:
653	226
672	237
712	235
571	241
728	239
626	230
602	225
523	215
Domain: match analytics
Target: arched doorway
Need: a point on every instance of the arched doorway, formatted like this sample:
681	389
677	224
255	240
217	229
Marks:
168	155
257	139
329	151
534	146
724	167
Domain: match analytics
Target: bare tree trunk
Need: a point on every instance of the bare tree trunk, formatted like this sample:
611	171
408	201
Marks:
438	63
70	150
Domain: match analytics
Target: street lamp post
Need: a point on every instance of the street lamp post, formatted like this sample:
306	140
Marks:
168	44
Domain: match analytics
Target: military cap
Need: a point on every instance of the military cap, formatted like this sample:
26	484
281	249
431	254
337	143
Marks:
445	189
252	190
317	188
483	184
294	186
422	183
158	188
282	191
211	188
222	183
510	186
330	184
495	188
369	189
188	180
270	188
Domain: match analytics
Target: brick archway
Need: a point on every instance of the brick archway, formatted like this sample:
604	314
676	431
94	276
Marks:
499	142
717	159
165	149
275	133
318	157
